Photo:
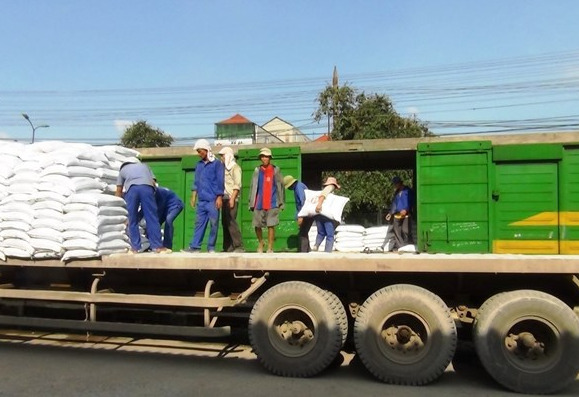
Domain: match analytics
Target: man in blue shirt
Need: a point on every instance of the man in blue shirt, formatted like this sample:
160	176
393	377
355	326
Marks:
136	181
399	215
206	196
169	206
304	224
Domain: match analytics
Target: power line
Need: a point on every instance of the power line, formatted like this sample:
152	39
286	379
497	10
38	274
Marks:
474	86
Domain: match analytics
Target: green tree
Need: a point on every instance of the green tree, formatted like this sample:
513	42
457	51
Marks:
361	116
141	134
357	115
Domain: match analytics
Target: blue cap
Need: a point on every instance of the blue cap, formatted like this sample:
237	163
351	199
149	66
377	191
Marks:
396	180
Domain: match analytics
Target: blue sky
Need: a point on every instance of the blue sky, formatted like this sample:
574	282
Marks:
87	68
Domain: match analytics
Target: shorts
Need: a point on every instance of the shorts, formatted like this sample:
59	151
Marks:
263	218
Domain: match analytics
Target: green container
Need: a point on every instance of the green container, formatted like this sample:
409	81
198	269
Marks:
288	159
453	197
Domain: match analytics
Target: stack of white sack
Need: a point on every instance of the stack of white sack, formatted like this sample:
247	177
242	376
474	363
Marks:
39	180
375	237
94	225
19	173
349	238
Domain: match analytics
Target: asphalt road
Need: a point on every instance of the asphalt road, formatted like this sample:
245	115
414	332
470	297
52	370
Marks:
38	364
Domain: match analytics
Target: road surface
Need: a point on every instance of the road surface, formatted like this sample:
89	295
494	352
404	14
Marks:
52	364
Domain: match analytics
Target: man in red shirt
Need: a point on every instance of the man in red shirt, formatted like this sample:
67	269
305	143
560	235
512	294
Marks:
266	198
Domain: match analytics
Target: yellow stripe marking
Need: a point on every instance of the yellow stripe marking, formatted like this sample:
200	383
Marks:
525	247
569	218
570	247
565	218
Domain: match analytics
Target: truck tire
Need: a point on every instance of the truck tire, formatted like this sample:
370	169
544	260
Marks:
343	322
297	329
405	335
528	341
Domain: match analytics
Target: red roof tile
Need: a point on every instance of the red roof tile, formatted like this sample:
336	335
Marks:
323	138
236	119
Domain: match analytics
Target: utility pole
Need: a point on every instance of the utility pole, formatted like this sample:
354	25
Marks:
334	97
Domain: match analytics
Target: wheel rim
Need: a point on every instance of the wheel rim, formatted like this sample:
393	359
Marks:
404	337
532	344
292	331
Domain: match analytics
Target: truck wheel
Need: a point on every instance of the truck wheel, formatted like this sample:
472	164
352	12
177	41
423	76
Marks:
528	341
297	329
405	335
343	322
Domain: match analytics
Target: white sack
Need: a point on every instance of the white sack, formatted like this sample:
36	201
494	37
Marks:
16	252
331	208
79	253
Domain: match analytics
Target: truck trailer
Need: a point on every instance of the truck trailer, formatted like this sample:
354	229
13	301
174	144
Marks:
498	265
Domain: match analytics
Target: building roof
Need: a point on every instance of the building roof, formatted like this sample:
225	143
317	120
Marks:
236	119
323	138
280	119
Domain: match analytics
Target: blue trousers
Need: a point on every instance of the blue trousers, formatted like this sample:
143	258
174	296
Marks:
144	196
206	214
326	230
168	218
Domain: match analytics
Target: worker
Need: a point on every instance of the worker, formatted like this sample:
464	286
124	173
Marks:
326	226
266	199
137	182
169	206
399	215
304	223
232	241
206	196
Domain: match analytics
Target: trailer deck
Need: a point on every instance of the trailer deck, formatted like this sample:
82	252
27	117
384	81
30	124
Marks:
336	262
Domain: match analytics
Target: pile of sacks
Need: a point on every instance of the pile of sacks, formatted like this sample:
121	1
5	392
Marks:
357	238
375	238
349	238
57	200
312	234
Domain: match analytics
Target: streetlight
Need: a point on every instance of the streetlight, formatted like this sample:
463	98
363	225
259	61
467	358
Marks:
32	125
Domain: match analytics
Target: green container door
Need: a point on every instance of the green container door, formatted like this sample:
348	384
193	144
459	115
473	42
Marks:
178	175
569	211
288	159
525	205
169	174
453	197
525	198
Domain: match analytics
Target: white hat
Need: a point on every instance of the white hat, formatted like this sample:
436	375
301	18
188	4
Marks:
265	152
202	144
225	150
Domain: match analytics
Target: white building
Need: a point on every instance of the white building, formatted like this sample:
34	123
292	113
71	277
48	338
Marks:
282	130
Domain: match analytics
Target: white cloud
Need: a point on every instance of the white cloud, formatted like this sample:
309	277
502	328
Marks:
4	135
121	125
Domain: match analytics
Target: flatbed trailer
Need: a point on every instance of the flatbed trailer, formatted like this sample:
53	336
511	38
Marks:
497	228
402	313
